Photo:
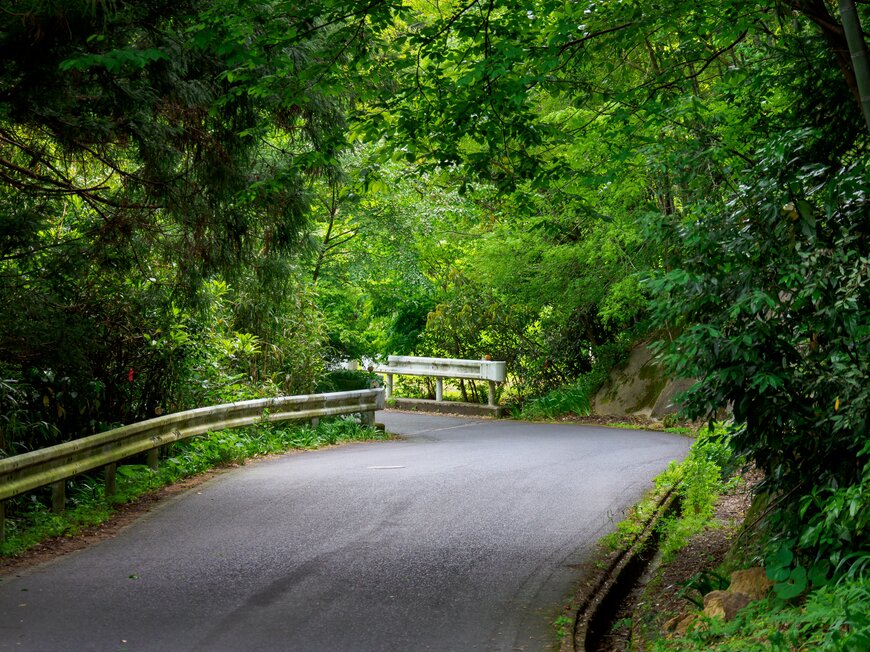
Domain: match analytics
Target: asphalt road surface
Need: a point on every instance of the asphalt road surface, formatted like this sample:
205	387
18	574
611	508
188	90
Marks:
465	535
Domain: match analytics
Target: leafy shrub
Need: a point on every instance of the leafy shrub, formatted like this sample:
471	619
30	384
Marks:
577	397
345	380
834	618
768	302
700	479
18	429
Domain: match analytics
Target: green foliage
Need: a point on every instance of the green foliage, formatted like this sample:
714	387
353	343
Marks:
149	151
833	618
830	541
343	380
572	400
36	523
700	478
769	301
836	520
199	454
388	240
577	397
17	427
411	265
254	339
632	525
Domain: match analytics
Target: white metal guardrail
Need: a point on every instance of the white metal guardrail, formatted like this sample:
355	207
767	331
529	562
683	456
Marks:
491	371
55	464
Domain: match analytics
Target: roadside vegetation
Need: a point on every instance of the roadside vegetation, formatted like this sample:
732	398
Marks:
832	617
707	471
799	611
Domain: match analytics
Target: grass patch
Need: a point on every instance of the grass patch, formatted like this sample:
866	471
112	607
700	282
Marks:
563	625
699	479
635	520
29	520
574	399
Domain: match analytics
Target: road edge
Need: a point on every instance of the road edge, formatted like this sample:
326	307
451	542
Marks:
603	592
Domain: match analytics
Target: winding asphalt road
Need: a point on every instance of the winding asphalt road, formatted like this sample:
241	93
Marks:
464	535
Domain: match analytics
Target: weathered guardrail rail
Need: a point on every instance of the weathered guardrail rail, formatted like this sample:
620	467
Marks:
491	371
55	464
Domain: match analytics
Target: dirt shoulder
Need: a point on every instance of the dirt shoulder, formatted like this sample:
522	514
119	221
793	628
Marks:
642	615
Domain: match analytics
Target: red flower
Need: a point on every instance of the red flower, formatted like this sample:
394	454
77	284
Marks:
130	376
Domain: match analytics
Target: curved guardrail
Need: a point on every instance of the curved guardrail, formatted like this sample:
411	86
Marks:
55	464
406	365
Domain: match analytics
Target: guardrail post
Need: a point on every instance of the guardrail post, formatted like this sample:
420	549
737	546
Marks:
2	521
367	418
389	390
109	479
439	389
58	497
314	423
153	457
490	394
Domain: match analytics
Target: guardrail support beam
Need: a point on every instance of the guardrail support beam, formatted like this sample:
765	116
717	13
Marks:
153	459
389	389
439	389
109	479
2	521
490	394
367	419
58	497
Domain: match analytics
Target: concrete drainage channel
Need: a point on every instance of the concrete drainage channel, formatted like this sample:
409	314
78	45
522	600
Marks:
593	607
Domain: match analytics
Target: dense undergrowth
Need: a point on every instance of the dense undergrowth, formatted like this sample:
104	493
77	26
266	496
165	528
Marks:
830	612
699	479
30	521
835	617
576	398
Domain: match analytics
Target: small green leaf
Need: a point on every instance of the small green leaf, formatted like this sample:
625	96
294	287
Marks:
794	586
779	574
782	557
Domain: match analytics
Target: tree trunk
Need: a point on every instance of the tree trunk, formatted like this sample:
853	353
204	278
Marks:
858	50
324	247
832	31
